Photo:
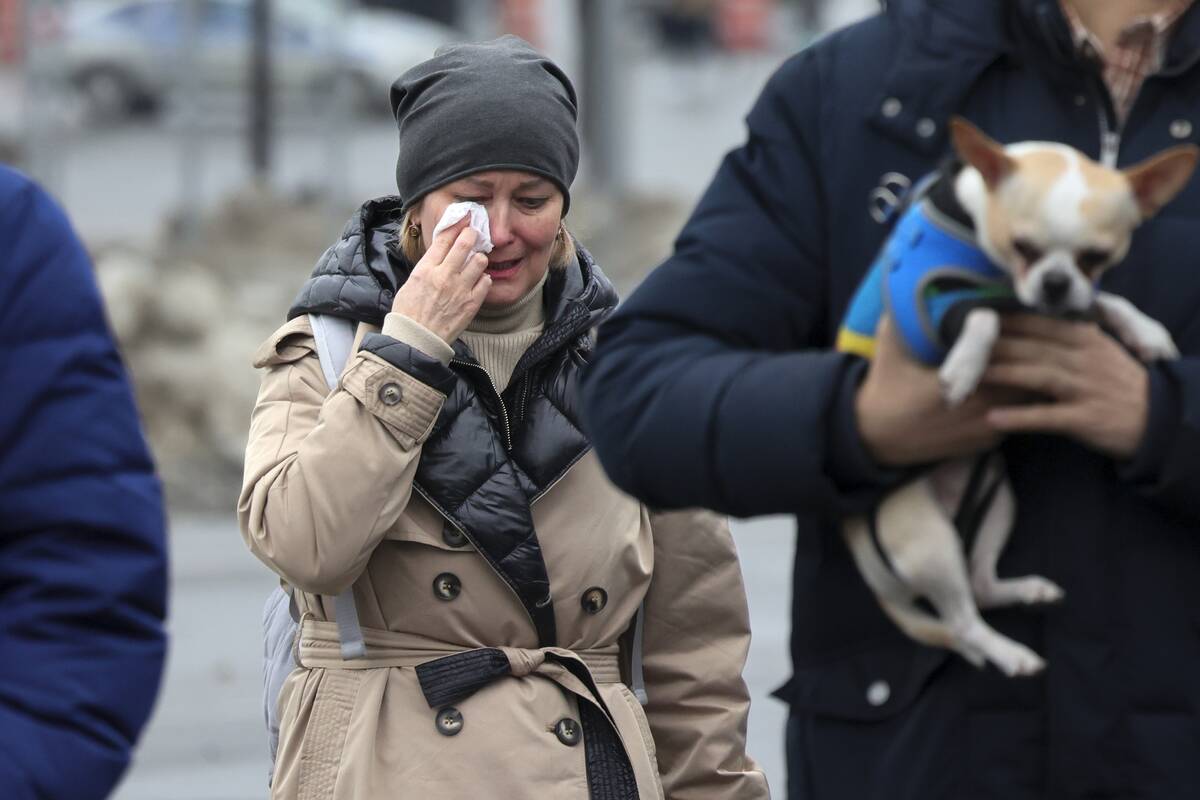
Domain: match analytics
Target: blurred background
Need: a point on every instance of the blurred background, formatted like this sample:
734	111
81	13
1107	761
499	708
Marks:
209	150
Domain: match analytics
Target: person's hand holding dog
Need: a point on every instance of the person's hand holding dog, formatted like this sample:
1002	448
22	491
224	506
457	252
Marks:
1087	385
902	417
1047	376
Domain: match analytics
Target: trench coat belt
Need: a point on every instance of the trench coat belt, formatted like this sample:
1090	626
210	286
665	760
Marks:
448	674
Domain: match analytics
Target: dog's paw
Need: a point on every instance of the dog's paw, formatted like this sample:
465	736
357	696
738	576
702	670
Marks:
1151	341
959	377
1036	590
1147	338
1017	661
991	592
1011	657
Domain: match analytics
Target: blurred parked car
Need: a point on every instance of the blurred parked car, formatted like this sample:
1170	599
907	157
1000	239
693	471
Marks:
127	56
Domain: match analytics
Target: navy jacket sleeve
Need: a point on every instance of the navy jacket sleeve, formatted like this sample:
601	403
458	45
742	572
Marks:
1166	467
707	387
82	549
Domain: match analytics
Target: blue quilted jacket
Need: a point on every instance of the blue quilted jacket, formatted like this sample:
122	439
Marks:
82	549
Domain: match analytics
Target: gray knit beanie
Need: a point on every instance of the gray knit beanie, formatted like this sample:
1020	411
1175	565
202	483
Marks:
476	107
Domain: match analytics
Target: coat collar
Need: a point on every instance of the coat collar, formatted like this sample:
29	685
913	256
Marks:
942	48
945	45
1045	20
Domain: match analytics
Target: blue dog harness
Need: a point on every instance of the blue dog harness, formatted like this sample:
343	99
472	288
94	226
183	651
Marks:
928	266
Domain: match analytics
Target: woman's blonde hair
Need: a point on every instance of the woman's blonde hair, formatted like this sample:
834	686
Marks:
413	248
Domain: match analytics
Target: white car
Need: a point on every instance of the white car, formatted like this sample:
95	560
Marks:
127	56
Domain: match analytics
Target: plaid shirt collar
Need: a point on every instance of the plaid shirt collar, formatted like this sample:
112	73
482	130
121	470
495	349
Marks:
1156	27
1139	52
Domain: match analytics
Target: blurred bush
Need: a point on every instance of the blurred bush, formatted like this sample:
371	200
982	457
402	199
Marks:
189	318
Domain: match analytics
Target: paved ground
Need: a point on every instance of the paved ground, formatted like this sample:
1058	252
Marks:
206	739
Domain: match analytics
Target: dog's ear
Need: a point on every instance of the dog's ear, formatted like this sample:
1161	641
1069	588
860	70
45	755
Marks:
1159	178
981	152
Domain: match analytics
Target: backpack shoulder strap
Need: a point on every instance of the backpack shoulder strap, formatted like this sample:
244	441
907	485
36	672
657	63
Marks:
637	678
334	339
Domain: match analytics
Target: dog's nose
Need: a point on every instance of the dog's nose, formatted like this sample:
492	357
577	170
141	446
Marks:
1054	287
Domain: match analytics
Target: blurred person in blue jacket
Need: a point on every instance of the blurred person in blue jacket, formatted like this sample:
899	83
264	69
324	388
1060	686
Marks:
716	385
82	547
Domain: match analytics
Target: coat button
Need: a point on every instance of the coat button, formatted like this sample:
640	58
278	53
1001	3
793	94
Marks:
450	721
447	586
878	693
568	731
390	394
594	600
926	127
891	107
1181	129
452	536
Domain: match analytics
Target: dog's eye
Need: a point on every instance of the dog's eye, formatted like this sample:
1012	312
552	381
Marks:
1091	258
1027	250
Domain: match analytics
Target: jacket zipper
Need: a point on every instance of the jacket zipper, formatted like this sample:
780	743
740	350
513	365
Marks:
499	399
1110	143
1106	114
1110	133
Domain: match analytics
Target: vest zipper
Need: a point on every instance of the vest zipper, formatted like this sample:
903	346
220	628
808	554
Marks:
524	397
499	399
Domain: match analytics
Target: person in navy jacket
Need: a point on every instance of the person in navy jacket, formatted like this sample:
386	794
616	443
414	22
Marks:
82	549
715	385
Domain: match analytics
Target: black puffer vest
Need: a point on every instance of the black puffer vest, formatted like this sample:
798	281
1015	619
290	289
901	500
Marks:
489	456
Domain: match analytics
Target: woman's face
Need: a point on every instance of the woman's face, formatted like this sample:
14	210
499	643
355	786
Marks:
524	211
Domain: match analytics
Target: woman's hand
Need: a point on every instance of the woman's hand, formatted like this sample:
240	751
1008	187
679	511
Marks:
903	418
448	285
1089	387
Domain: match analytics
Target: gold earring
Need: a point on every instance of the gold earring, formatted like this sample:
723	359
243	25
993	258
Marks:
414	231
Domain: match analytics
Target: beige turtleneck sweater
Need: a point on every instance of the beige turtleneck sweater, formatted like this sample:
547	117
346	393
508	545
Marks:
498	336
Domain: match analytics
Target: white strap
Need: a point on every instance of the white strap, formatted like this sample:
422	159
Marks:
637	677
279	629
349	631
334	337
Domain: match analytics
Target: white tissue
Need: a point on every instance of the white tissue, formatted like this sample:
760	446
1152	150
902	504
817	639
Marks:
479	221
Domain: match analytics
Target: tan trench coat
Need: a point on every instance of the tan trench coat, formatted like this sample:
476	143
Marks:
327	503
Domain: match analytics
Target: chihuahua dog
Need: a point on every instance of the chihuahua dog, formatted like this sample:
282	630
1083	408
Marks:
1031	225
